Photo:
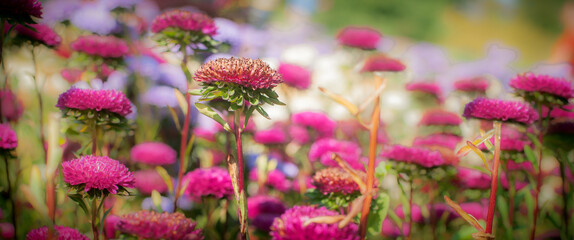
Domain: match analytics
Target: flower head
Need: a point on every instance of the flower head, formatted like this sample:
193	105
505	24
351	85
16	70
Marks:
291	225
111	101
8	137
214	181
382	63
11	105
426	87
72	75
63	233
7	230
153	153
336	180
275	179
319	122
148	180
154	225
263	210
477	84
246	72
440	117
529	83
416	213
20	11
101	46
43	34
442	140
473	179
274	135
563	112
295	76
97	174
500	110
184	20
419	156
359	37
323	150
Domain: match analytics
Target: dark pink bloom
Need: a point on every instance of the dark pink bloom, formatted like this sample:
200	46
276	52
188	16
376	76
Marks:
275	179
359	37
566	112
43	34
323	149
299	134
442	140
11	105
477	84
184	20
473	179
476	209
295	76
382	63
500	110
7	230
101	46
203	182
290	225
414	155
271	136
390	229
149	180
153	153
20	10
319	122
97	100
246	72
530	82
95	172
416	213
8	137
72	75
426	87
524	166
440	117
64	233
336	180
110	226
263	210
154	225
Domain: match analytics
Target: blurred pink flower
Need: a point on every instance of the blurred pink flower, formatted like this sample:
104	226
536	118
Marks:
11	105
64	233
263	210
477	84
523	166
154	225
8	137
295	76
500	110
565	112
275	179
98	100
101	46
97	172
7	230
472	179
336	180
270	136
319	122
426	87
390	229
414	155
359	37
148	180
110	226
204	133
324	148
184	20
246	72
531	82
153	153
416	213
43	34
72	75
440	117
442	140
203	182
382	63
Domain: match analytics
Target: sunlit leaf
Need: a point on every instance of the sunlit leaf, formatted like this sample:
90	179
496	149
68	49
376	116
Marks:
467	217
478	152
209	112
181	100
156	200
175	118
341	100
466	149
166	177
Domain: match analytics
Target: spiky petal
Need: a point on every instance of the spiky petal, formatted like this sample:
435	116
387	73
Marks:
246	72
97	172
414	155
63	233
531	82
214	181
184	20
101	46
154	225
98	100
500	110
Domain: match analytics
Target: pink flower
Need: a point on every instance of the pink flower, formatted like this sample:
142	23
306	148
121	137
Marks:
20	10
101	46
336	180
530	82
440	117
390	229
206	134
416	213
153	225
184	20
518	185
153	153
299	134
271	136
203	182
524	166
382	63
275	179
8	137
97	100
43	34
262	210
500	110
509	143
324	148
319	122
295	76
477	84
148	180
414	155
565	112
64	233
11	106
426	87
476	209
72	75
442	140
290	225
246	72
95	172
7	230
473	179
359	37
110	226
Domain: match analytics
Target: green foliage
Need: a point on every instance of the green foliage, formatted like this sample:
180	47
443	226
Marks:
109	120
333	201
170	37
379	208
541	98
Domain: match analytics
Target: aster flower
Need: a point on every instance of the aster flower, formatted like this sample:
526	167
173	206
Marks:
105	106
442	140
72	75
323	149
275	179
153	153
263	210
63	233
426	87
359	37
295	76
270	136
110	226
96	175
148	180
11	105
382	63
42	34
500	110
318	122
8	137
414	155
563	112
416	213
390	229
472	179
203	182
181	27
290	225
477	84
336	180
20	11
523	166
440	117
154	225
107	47
542	89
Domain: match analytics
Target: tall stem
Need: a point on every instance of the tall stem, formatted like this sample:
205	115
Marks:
564	194
539	173
94	219
12	202
494	178
95	132
410	217
511	193
373	131
242	211
184	131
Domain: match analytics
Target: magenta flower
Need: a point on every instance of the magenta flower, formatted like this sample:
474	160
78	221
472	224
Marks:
20	11
184	20
153	153
390	229
290	225
112	101
319	122
43	34
359	37
295	76
523	166
101	46
416	213
563	112
7	230
299	134
11	105
275	179
274	135
323	149
72	75
472	179
476	209
442	140
203	182
204	133
8	137
419	156
63	233
500	110
262	210
336	180
97	173
246	72
110	226
477	84
382	63
148	180
426	87
440	117
153	225
530	82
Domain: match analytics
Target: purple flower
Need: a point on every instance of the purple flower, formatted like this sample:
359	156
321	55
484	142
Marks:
500	110
336	180
440	117
442	140
153	153
295	76
290	225
148	180
11	105
154	225
271	136
203	182
275	179
101	46
20	11
262	210
530	82
184	20
246	72
94	172
63	233
56	11
97	100
414	155
94	17
477	84
319	122
473	179
228	32
160	96
8	137
323	149
382	63
359	37
43	34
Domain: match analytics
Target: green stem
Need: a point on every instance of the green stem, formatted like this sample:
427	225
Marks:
242	211
410	217
184	131
564	194
12	202
95	208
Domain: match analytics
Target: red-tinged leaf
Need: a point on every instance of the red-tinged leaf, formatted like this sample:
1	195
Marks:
341	100
467	217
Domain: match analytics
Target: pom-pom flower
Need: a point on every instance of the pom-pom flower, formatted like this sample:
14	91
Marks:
148	180
477	84
271	136
96	175
153	153
318	122
63	233
275	179
295	76
205	182
414	155
291	225
42	34
184	20
543	89
324	148
442	140
153	225
100	46
359	37
382	63
440	117
500	110
472	179
563	112
20	11
90	100
426	87
8	137
263	210
336	180
11	106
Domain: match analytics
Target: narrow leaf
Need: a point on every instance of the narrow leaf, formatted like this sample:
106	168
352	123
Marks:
262	112
165	176
466	149
467	217
156	200
379	210
209	112
175	118
181	100
530	156
339	99
478	152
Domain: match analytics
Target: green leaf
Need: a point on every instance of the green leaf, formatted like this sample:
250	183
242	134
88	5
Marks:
530	156
262	112
379	209
248	111
181	100
79	199
156	200
209	112
195	92
503	210
166	178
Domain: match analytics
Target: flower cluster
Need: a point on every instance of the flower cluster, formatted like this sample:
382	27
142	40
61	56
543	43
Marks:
101	46
153	153
295	76
245	72
62	233
359	37
323	150
184	20
553	90
440	117
111	101
154	225
477	84
382	63
97	175
500	110
8	137
419	156
336	180
203	182
42	34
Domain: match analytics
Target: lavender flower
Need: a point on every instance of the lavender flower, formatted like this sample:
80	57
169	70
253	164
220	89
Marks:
153	153
94	17
154	225
500	110
203	182
63	233
97	174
